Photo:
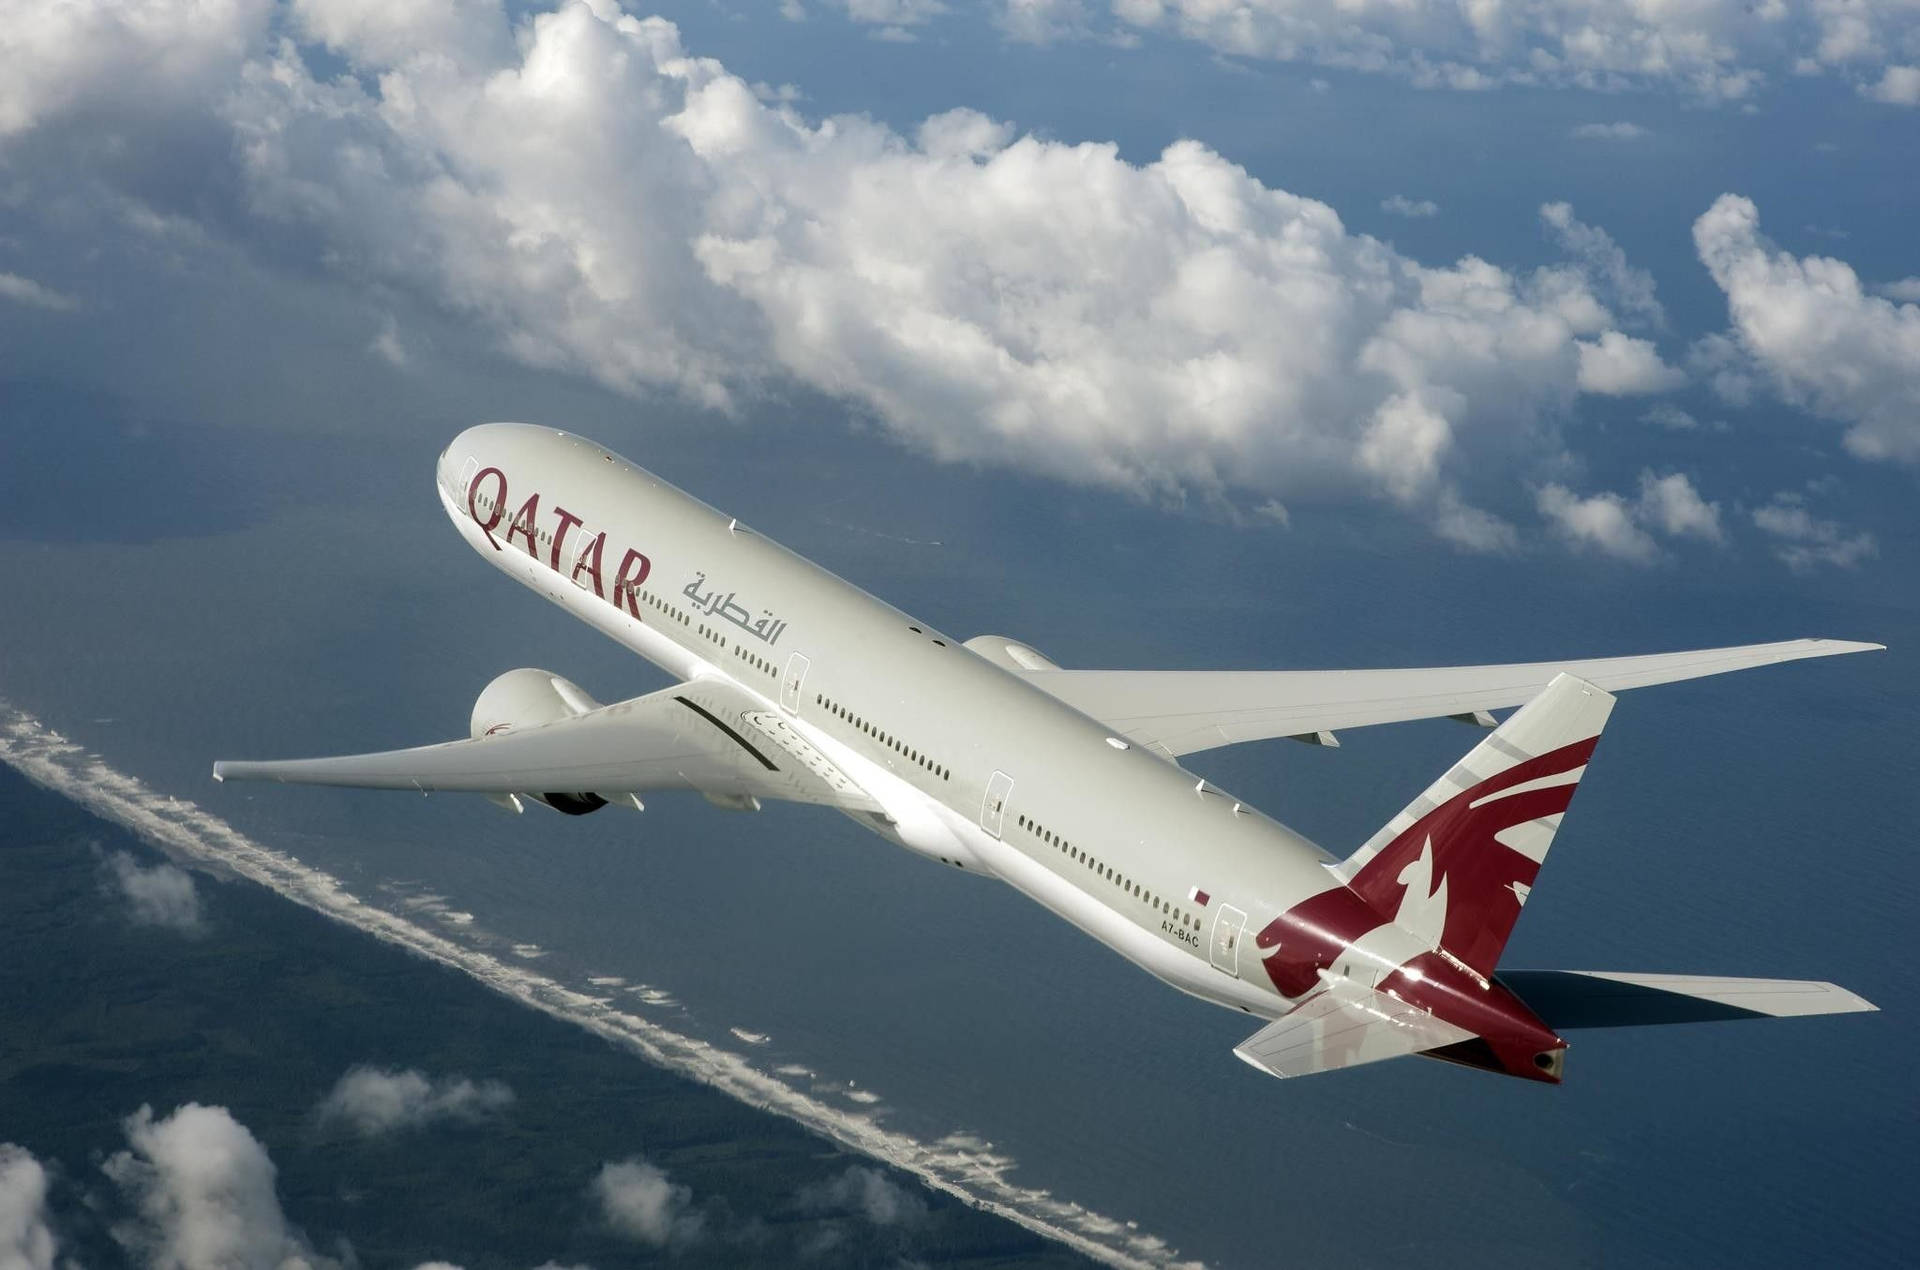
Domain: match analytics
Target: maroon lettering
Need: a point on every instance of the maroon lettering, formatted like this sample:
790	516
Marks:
626	590
567	521
589	562
497	504
523	524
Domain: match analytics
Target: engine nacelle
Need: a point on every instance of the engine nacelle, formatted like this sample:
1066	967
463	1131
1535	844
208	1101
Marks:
528	698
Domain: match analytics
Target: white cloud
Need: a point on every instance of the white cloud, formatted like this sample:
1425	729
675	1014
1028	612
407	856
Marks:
1805	542
868	1192
1716	50
205	1187
1616	526
160	895
1670	504
371	1101
1807	327
1620	284
895	14
1897	86
1619	365
1042	21
1620	130
35	295
386	345
1665	414
26	1237
1905	289
613	206
1412	209
640	1203
1602	522
134	57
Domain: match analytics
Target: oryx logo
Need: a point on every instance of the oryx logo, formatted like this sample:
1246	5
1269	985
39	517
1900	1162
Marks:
1423	905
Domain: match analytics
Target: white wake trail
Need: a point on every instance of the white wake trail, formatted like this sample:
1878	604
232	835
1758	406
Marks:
958	1164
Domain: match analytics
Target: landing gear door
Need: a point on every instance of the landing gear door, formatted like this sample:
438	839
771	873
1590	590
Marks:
790	686
1229	928
993	808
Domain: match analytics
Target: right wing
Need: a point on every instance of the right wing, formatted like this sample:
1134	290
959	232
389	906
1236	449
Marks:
1183	711
706	736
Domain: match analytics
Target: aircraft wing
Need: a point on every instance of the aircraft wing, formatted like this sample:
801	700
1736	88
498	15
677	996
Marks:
1184	711
1344	1028
706	736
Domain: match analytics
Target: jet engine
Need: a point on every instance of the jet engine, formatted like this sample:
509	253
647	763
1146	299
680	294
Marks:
527	698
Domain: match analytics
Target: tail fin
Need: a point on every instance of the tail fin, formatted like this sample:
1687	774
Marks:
1457	864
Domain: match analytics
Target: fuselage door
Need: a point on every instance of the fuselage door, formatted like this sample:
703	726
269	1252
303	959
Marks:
993	808
790	686
1229	928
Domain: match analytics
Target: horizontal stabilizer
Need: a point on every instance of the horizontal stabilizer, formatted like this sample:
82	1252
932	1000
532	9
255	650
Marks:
1179	712
1345	1028
1592	998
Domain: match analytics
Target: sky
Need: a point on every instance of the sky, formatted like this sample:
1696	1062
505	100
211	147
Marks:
1153	334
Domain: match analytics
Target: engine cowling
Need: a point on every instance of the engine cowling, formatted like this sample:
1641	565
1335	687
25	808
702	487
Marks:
528	698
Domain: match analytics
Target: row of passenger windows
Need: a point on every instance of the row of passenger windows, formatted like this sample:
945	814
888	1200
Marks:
755	660
1131	887
887	739
661	606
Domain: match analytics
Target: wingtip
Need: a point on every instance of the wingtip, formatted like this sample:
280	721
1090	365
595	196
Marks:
219	772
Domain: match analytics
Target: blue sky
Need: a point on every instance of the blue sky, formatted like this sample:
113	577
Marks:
1328	335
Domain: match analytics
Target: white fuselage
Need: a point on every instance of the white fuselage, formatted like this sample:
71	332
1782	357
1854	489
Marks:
974	766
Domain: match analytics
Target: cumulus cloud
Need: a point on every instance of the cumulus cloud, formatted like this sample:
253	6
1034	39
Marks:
1627	289
1042	21
158	895
1620	365
370	1101
1666	415
205	1188
1905	289
35	295
149	55
1616	526
1619	130
1716	50
1671	504
1897	86
1806	327
26	1238
1603	522
1412	209
868	1193
611	205
1804	542
640	1203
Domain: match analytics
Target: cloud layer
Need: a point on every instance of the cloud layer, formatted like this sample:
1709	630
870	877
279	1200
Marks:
1717	50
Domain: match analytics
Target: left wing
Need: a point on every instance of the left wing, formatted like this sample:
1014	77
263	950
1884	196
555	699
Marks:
707	736
1184	711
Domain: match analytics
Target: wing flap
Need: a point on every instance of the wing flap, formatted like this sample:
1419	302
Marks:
1593	998
1184	711
1336	1030
705	736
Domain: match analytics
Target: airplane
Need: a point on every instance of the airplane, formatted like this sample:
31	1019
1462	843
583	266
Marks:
988	757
